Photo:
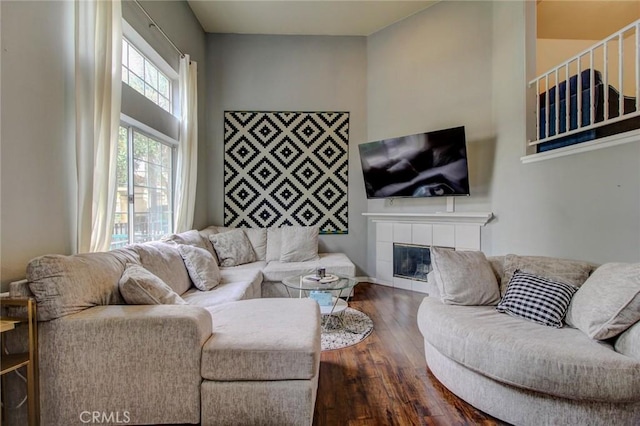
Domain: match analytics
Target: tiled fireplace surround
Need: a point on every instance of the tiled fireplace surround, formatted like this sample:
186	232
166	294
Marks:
451	230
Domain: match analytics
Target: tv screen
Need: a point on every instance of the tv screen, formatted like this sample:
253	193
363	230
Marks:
427	164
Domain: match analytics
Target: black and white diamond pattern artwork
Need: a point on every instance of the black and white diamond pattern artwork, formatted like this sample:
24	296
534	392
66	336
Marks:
286	168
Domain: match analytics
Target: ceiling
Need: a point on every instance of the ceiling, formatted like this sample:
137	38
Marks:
303	17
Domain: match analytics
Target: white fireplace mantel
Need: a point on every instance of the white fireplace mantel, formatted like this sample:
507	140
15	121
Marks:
456	230
461	218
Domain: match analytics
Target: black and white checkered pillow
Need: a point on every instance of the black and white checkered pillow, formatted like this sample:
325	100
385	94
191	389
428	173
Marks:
537	299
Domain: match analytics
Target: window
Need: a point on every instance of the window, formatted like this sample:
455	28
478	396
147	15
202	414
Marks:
144	77
144	202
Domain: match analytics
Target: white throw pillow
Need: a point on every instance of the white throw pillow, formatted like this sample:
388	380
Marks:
299	243
233	248
274	243
202	267
258	239
464	277
608	302
140	287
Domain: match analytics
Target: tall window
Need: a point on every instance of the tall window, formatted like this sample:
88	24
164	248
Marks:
143	76
144	204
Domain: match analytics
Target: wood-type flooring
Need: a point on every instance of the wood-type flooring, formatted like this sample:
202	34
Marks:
384	379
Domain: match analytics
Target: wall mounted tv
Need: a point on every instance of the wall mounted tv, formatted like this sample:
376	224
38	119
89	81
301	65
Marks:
429	164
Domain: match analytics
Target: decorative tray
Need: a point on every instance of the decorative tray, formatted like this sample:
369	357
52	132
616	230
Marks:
329	278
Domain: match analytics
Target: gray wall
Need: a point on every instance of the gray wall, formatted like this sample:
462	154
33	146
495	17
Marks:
464	63
37	136
583	206
37	213
433	71
289	73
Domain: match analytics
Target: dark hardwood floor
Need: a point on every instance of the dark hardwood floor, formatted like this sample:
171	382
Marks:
384	379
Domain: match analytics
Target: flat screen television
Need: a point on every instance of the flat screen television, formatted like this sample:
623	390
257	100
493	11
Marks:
429	164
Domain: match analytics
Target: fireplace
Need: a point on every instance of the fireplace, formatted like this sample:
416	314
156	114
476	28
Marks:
411	261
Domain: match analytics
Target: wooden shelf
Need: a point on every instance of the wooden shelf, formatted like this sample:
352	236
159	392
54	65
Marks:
29	359
12	362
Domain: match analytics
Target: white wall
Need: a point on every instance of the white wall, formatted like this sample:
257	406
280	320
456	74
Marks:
289	73
38	177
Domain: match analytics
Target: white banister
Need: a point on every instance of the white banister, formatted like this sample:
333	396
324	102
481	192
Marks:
591	74
638	67
606	79
621	72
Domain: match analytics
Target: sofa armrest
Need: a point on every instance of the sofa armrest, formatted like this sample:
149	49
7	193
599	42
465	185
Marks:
142	360
628	343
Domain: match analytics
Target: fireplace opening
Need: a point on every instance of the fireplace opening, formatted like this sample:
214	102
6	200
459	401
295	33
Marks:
411	261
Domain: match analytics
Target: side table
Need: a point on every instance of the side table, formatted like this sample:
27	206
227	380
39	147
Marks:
10	321
331	294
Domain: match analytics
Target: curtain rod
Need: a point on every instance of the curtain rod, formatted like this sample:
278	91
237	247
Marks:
154	24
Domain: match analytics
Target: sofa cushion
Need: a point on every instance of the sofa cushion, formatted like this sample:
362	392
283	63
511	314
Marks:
628	343
263	339
572	272
201	266
274	243
236	283
608	302
563	362
140	287
299	243
164	261
258	239
334	263
64	285
537	299
233	248
464	277
191	238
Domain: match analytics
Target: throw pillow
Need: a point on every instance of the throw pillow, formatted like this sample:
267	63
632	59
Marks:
233	248
258	239
64	285
274	243
192	238
537	299
299	243
203	269
464	277
608	302
572	272
140	287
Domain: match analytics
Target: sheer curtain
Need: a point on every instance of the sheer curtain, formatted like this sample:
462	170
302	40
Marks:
98	73
187	164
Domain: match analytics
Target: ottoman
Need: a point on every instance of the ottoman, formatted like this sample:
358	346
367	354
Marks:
260	366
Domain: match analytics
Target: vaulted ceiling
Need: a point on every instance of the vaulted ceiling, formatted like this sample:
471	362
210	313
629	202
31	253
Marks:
303	17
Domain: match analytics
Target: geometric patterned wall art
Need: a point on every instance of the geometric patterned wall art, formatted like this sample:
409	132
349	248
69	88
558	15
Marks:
286	169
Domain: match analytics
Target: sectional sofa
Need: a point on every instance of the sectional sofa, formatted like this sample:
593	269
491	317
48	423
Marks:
176	332
582	368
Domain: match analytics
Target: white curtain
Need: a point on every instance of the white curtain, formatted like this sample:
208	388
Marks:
187	163
98	73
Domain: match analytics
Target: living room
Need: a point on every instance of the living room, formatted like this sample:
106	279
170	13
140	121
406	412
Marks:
454	63
475	68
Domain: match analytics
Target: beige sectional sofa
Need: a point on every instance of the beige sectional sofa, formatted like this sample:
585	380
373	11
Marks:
526	373
220	356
